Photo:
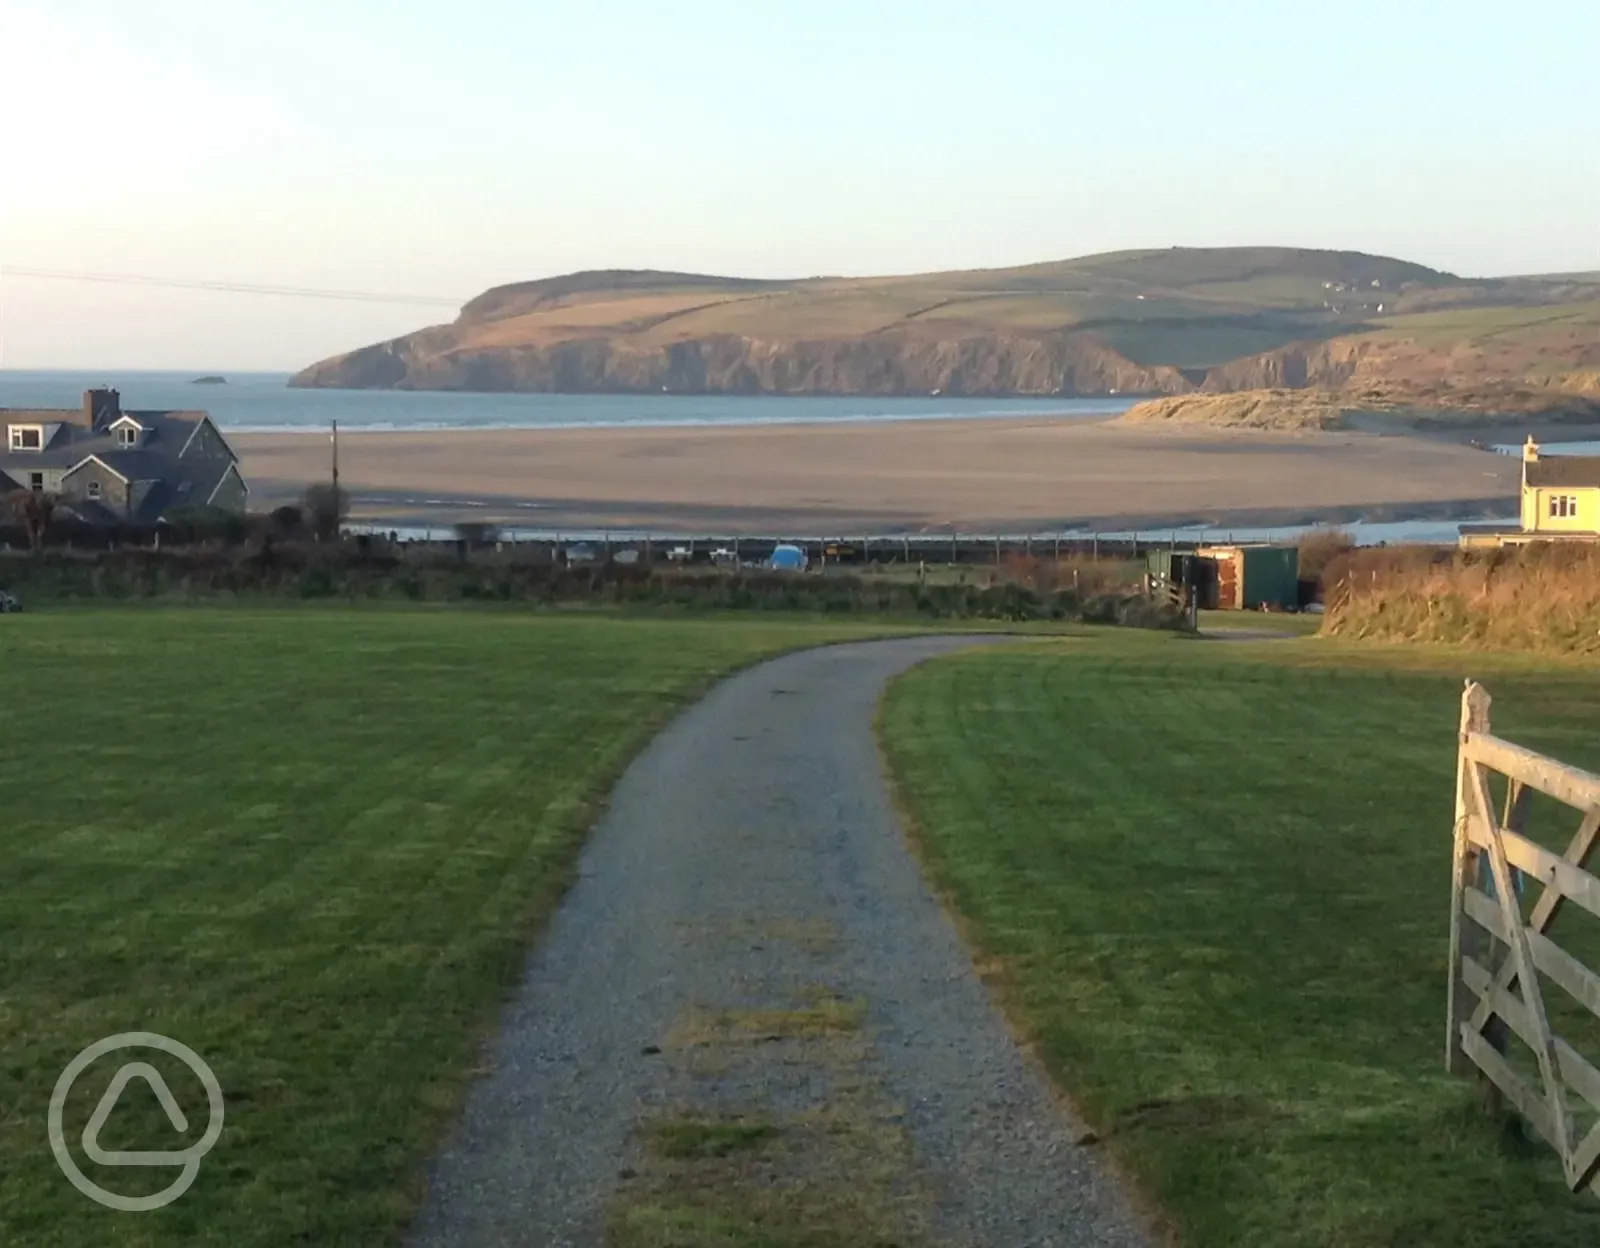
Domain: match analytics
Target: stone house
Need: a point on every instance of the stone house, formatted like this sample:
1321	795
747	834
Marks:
106	465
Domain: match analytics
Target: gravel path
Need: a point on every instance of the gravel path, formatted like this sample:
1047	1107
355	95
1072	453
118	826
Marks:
750	941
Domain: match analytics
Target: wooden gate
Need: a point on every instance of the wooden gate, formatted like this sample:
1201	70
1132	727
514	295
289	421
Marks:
1502	959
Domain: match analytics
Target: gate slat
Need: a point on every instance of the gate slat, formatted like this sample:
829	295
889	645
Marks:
1554	872
1585	1168
1530	1104
1572	785
1576	1069
1547	908
1562	968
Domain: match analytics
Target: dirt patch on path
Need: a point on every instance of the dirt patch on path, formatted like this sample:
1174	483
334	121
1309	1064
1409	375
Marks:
751	1023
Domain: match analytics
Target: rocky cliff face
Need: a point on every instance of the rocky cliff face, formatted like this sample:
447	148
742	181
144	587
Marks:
731	364
1152	322
1318	365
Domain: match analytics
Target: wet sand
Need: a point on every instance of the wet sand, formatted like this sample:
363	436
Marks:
1032	474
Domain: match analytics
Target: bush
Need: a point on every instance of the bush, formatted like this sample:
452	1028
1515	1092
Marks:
1322	547
303	569
187	525
477	533
326	509
1543	596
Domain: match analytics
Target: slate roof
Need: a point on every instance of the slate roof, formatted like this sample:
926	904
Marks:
1563	470
172	478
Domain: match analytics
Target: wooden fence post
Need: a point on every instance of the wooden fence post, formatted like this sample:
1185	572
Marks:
1475	702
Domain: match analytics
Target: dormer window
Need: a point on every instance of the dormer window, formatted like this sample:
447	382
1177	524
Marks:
126	430
27	437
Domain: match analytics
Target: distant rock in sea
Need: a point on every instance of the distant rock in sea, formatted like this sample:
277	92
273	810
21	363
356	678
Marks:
209	381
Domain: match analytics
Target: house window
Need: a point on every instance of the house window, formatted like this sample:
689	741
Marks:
128	436
36	482
94	491
1563	506
24	438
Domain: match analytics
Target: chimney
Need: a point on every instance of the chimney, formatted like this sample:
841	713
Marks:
1530	451
101	407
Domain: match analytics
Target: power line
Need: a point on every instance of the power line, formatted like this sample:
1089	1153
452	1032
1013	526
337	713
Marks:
239	288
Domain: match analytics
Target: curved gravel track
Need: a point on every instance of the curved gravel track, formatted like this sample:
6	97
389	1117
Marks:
751	863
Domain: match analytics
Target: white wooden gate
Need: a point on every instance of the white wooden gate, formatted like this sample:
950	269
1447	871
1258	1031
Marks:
1502	959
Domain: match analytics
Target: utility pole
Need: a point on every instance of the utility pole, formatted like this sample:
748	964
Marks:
336	460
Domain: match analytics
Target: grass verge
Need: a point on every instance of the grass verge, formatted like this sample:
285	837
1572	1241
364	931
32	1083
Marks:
1212	883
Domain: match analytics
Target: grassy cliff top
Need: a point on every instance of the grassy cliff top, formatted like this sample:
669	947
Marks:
1157	321
1268	291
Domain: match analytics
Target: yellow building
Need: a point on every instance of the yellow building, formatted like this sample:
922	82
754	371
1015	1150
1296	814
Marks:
1560	493
1560	502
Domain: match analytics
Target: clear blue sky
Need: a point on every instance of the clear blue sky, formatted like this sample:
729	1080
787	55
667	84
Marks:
441	148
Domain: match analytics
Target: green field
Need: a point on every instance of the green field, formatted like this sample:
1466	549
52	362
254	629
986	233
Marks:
1479	325
1213	882
313	845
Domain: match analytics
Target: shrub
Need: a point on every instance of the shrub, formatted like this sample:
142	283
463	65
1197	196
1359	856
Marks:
1543	596
477	533
1322	547
285	567
326	508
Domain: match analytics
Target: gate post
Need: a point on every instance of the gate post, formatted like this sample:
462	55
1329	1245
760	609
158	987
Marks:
1475	702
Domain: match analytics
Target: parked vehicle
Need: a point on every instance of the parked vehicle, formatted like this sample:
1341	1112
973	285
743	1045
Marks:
787	558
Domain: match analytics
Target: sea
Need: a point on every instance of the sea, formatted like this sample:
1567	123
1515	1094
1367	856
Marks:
265	403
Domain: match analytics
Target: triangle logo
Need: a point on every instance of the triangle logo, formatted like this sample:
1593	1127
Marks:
108	1102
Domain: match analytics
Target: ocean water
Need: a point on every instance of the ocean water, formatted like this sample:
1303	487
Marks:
263	402
1555	448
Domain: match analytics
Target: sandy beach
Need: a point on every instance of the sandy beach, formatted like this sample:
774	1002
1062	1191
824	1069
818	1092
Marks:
980	475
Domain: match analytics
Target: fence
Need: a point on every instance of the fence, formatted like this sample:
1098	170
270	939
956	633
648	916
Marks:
1498	954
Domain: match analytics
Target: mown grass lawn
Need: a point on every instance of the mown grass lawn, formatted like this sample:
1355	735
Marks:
312	845
1214	878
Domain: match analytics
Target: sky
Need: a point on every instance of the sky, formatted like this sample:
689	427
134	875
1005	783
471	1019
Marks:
440	149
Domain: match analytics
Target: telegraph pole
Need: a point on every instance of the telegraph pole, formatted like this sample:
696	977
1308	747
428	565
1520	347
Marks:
336	460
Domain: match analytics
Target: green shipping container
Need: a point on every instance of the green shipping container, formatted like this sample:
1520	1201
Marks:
1252	577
